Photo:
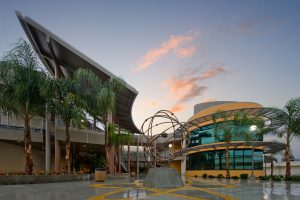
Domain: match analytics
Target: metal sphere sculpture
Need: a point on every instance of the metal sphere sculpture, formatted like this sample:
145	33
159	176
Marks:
160	132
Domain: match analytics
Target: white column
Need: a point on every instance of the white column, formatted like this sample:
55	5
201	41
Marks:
48	142
137	158
183	162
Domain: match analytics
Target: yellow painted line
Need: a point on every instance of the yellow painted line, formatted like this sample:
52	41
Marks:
102	196
167	192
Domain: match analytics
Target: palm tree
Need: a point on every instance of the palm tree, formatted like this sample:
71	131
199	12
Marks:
19	90
289	119
62	96
229	128
271	159
117	139
99	101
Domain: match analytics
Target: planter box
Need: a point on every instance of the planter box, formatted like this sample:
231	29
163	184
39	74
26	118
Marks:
100	175
31	179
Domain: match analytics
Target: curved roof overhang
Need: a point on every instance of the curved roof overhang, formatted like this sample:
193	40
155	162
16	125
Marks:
269	147
57	54
205	117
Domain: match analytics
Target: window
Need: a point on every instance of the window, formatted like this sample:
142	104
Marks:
238	160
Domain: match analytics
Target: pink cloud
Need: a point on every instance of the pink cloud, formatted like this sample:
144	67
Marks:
186	52
177	108
149	103
187	85
172	44
208	100
211	72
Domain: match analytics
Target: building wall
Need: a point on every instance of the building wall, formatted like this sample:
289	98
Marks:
12	158
279	168
193	173
176	164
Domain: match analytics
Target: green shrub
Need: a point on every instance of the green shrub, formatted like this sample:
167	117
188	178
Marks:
276	178
292	178
244	176
234	177
264	178
288	178
204	175
220	176
211	176
295	178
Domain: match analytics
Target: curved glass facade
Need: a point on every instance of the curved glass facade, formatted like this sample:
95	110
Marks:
239	159
206	134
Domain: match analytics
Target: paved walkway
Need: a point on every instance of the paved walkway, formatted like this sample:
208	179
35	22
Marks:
118	189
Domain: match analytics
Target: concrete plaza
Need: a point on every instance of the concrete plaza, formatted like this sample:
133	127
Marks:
196	188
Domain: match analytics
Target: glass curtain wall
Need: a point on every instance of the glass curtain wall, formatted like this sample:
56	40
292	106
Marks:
206	135
240	159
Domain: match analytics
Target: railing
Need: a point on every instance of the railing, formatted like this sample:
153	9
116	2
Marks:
123	164
11	121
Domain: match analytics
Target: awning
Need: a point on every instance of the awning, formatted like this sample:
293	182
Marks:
54	52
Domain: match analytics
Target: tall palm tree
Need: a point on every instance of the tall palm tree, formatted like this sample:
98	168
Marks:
62	96
99	100
271	159
289	119
21	78
228	127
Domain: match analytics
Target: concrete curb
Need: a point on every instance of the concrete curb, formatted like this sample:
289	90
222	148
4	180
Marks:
31	179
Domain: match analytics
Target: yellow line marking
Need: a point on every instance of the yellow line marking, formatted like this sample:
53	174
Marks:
167	192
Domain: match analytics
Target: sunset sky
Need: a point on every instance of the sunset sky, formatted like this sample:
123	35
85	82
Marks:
178	53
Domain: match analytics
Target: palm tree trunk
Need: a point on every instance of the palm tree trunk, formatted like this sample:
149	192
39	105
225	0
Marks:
265	166
27	144
287	159
272	166
68	149
106	147
112	159
128	158
227	161
119	159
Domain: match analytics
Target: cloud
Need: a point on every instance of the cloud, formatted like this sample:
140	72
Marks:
173	44
246	26
186	86
186	52
178	108
212	72
149	103
208	100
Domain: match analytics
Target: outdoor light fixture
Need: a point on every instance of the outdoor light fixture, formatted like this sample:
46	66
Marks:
82	120
170	146
253	128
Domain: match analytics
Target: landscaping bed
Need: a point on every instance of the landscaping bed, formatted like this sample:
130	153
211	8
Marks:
31	179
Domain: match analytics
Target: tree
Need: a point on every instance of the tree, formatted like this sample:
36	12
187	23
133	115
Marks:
117	139
21	78
289	120
99	100
229	128
270	159
62	101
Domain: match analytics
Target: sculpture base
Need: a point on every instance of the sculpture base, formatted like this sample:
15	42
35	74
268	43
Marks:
163	177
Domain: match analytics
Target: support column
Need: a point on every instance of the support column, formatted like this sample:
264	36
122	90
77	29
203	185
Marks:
111	149
183	162
119	155
57	149
137	157
128	158
48	142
